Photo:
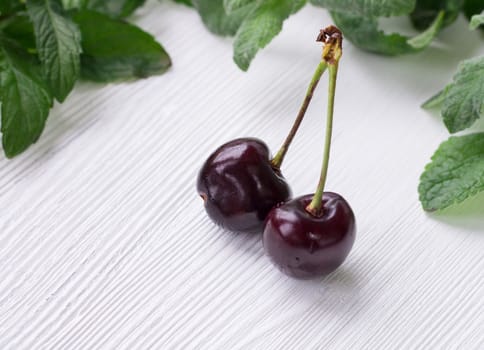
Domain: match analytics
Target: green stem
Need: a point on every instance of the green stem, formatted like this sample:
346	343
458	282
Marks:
316	203
276	162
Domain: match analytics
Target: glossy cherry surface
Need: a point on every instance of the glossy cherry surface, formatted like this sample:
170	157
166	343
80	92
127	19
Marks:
239	186
306	246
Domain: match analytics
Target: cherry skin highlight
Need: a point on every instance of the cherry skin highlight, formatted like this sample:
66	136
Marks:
305	246
239	185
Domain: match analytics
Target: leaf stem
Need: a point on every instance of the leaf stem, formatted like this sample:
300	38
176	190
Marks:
276	162
332	54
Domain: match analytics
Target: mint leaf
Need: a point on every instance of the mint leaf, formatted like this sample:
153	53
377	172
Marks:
116	50
364	33
455	173
25	99
113	8
213	15
426	11
464	100
476	21
368	8
260	27
233	5
58	44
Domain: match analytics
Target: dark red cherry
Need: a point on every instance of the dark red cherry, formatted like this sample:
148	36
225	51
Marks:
239	185
306	246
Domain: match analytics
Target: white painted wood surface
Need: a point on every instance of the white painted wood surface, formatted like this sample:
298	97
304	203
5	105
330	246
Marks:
104	243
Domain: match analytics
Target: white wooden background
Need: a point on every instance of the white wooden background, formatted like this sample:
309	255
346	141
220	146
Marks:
104	243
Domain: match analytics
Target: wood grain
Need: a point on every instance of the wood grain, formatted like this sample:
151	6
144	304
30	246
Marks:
104	243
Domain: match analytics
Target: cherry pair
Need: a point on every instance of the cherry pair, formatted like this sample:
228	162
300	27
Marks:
244	191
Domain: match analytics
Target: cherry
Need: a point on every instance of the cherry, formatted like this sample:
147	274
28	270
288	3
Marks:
305	246
240	186
312	235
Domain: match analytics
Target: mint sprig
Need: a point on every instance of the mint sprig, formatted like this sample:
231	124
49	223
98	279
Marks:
47	45
457	168
255	23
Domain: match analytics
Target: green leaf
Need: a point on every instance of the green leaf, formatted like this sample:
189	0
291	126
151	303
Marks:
368	8
476	21
25	99
21	30
234	5
58	44
260	27
213	15
364	33
437	100
113	8
115	50
455	173
464	101
426	11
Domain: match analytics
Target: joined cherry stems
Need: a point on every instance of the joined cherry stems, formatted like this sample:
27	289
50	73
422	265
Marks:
332	52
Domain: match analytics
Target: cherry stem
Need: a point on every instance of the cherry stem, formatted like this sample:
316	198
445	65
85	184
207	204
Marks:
332	54
276	162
